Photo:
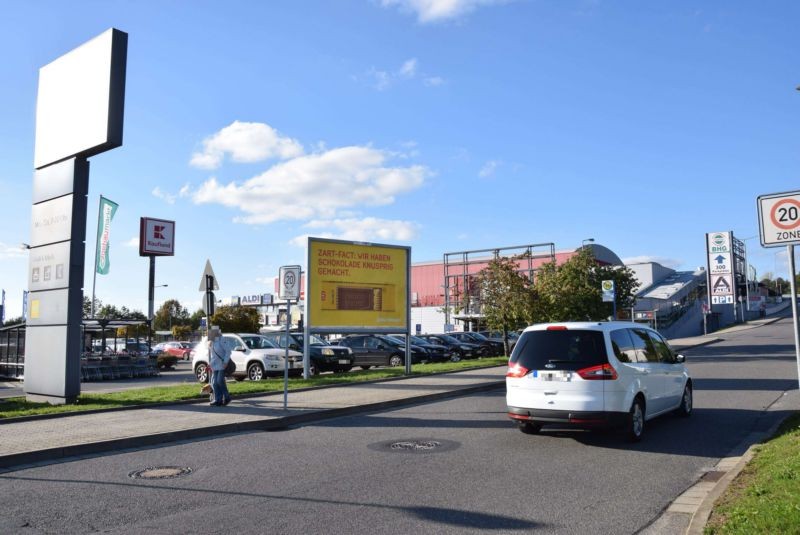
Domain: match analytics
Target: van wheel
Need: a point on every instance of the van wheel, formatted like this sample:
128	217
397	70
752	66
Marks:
529	428
635	425
685	408
395	360
365	366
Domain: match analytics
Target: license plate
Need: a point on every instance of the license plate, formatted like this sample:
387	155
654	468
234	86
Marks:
556	376
343	361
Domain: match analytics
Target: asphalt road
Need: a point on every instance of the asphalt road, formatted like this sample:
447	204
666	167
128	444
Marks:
342	476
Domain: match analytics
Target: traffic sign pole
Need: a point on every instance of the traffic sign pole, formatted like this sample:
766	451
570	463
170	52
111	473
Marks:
793	297
286	357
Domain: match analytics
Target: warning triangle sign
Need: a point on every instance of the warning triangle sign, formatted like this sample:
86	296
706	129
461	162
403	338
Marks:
208	271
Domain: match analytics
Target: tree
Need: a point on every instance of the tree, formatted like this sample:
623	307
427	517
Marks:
87	306
181	332
571	291
505	294
170	313
14	321
236	319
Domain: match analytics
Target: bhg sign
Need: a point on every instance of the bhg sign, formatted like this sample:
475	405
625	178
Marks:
779	219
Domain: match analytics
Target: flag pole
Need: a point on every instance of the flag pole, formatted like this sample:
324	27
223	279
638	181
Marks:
96	245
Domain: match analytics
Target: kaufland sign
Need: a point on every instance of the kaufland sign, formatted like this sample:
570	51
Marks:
156	237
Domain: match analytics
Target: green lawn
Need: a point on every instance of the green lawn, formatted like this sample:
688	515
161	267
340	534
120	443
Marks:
765	497
12	407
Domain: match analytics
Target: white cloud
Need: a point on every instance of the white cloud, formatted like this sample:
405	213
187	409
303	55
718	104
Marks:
409	68
12	251
133	242
489	168
439	10
245	143
315	186
366	230
166	197
672	263
383	79
185	190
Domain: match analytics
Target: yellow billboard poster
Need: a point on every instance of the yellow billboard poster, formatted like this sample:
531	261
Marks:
354	286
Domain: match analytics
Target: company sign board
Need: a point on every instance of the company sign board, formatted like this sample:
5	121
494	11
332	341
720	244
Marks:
719	242
357	287
607	288
722	284
779	219
156	237
250	300
79	108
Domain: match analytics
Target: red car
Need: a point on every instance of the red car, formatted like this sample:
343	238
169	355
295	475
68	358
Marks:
182	350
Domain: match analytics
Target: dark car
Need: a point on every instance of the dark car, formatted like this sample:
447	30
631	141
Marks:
497	336
436	352
379	350
464	350
490	348
323	356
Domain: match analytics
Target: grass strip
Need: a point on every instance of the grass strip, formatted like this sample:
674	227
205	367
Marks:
15	407
765	496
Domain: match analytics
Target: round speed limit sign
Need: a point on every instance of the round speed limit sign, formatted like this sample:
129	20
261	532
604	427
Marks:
779	219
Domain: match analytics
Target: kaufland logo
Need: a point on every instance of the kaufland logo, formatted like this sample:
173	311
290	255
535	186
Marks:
158	232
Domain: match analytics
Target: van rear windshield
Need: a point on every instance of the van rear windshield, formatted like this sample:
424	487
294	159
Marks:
560	350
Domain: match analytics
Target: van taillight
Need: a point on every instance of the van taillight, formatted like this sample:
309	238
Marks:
515	370
557	328
602	372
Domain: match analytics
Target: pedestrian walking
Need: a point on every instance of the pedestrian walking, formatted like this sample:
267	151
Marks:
219	356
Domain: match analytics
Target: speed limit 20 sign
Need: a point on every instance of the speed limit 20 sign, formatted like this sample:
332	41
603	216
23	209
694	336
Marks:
779	219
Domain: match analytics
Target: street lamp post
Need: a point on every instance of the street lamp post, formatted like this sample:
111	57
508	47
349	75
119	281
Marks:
587	240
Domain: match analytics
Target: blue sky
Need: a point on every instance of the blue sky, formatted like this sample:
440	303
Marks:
445	125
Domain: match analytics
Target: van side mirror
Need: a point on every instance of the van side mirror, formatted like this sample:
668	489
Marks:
680	359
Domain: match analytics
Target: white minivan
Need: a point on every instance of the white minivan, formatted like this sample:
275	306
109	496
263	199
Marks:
595	374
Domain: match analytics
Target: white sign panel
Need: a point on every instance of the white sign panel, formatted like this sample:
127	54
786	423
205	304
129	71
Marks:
79	108
289	283
721	299
719	242
156	237
721	285
250	300
779	219
719	263
208	271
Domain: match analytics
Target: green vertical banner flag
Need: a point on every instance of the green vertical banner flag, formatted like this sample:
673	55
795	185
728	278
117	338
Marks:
106	214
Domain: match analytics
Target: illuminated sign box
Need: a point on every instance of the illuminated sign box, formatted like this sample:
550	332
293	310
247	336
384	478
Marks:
80	105
357	287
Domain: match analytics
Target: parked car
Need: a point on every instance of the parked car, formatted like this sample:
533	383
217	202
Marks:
488	349
182	350
464	350
379	350
323	356
436	352
255	357
595	374
497	336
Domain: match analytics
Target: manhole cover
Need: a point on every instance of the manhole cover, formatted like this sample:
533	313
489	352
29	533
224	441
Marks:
160	472
415	445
